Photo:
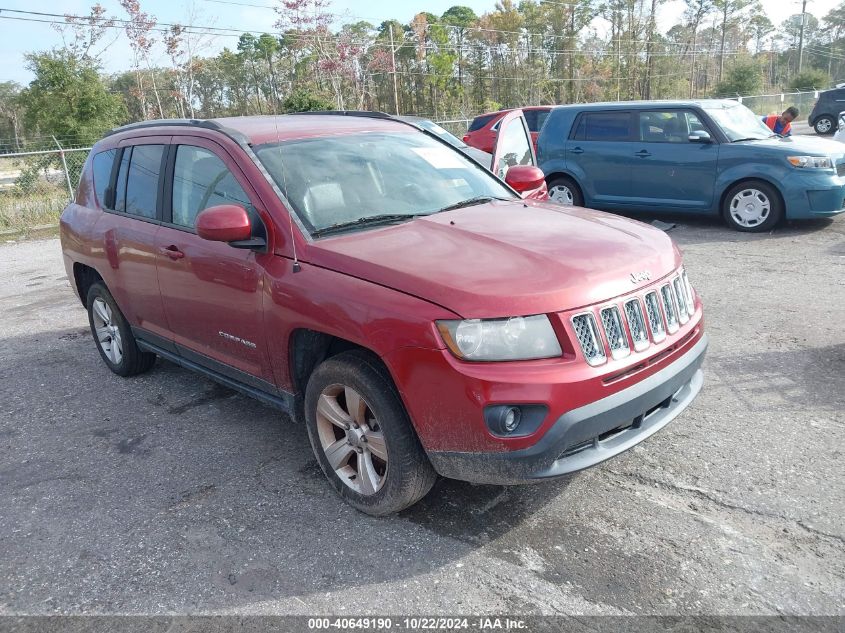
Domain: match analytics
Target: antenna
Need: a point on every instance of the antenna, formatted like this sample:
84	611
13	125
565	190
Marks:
296	267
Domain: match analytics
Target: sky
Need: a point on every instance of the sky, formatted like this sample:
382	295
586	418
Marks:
18	37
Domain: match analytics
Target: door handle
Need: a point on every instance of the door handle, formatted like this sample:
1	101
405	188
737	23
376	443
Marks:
577	150
172	252
643	153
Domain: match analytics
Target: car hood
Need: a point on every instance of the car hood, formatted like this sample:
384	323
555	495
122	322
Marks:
802	145
504	258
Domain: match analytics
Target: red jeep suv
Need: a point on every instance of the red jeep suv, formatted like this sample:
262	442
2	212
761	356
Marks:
406	305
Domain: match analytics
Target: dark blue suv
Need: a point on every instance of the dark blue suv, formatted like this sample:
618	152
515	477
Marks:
707	157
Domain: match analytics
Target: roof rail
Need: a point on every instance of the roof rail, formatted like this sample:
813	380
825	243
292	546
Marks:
362	113
208	124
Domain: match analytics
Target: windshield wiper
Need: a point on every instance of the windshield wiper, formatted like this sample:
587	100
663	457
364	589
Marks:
469	202
750	138
372	220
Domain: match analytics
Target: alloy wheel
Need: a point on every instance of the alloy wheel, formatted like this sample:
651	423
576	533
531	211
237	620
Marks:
562	195
750	208
108	333
824	125
352	439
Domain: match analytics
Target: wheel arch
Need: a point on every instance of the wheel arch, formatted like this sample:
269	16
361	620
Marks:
84	277
308	348
723	196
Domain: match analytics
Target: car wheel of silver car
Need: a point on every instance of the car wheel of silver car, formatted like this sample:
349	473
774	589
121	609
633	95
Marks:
362	436
113	336
824	125
564	191
752	206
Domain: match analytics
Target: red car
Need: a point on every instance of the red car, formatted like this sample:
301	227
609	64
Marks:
484	128
409	308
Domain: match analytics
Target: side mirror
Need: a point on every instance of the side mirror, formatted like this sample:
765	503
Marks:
224	223
699	137
525	177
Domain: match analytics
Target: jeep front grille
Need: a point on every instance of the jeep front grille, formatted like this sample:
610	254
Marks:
617	339
658	313
655	319
669	309
589	338
636	324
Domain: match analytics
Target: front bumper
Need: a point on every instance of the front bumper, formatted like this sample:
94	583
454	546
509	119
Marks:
590	434
814	196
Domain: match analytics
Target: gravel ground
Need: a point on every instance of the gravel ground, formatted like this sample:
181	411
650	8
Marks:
169	494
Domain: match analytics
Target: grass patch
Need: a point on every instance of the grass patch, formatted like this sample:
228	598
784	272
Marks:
21	213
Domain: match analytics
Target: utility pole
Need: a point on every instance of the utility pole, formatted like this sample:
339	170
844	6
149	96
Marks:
393	67
801	36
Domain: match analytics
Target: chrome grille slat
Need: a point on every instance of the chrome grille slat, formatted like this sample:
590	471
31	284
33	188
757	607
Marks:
669	308
636	324
655	318
681	296
614	330
589	338
688	290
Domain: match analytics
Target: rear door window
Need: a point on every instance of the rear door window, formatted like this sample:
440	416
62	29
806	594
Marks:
607	126
142	180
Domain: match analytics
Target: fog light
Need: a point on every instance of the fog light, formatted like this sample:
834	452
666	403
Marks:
511	419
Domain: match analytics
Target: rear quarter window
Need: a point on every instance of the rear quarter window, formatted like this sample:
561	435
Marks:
480	121
101	168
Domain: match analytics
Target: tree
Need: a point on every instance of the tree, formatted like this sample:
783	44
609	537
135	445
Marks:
730	14
810	80
68	99
305	101
81	34
138	28
10	116
696	11
759	27
459	18
744	78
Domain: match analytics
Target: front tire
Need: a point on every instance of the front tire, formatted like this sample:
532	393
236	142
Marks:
113	336
824	125
753	207
362	436
565	191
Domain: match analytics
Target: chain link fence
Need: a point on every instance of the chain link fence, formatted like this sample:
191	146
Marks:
35	186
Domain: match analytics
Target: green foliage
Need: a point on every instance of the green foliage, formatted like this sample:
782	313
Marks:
810	80
68	99
744	78
305	101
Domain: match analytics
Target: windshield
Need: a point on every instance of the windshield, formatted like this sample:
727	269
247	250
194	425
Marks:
446	135
738	122
342	179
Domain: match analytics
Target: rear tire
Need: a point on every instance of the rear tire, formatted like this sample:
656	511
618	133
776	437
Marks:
752	206
825	125
113	336
362	436
565	191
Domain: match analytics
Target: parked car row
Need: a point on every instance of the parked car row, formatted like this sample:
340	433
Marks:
411	307
707	157
826	110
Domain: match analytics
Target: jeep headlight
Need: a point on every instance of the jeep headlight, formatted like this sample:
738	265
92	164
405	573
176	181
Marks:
515	338
811	162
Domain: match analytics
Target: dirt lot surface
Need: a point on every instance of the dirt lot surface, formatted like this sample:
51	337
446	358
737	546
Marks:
169	494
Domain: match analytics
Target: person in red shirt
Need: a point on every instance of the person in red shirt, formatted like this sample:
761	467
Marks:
782	124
